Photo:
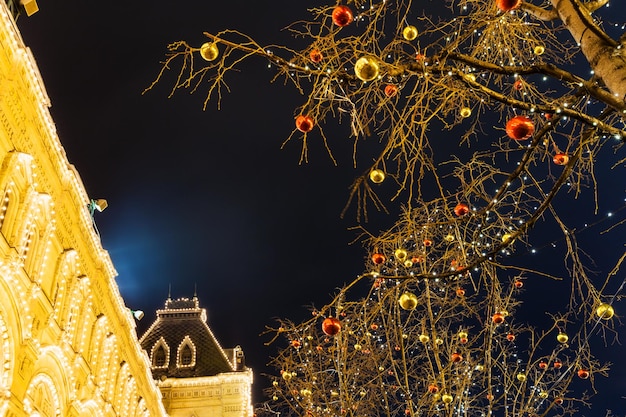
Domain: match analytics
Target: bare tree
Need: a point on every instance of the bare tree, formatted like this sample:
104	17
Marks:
434	325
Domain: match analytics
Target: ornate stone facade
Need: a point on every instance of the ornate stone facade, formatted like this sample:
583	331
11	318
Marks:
67	341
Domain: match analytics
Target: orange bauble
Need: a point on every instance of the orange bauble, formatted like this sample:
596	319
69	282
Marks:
342	16
560	158
518	84
460	292
558	401
583	373
331	326
508	5
510	337
295	343
304	123
543	365
518	284
520	128
558	364
461	209
498	318
456	357
378	258
433	388
391	90
316	56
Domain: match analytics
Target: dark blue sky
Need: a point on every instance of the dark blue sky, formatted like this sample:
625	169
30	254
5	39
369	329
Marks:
208	199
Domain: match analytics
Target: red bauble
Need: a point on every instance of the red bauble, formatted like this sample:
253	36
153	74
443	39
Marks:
510	337
543	365
498	318
342	16
518	85
508	5
461	209
460	292
583	373
391	90
558	401
304	123
560	158
433	388
428	242
558	364
456	357
378	258
520	128
295	343
518	284
316	56
331	326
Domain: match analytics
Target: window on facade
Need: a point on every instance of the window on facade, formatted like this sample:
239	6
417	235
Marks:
186	355
159	356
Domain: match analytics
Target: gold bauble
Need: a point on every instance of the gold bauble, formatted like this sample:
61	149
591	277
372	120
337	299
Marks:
305	392
377	176
447	398
408	301
462	335
401	254
605	311
287	376
465	112
408	263
423	338
506	238
539	50
366	69
209	51
358	347
438	341
543	394
521	377
409	33
479	368
449	238
562	338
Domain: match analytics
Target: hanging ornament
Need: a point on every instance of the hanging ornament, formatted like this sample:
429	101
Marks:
447	398
510	337
408	301
433	388
543	365
506	237
460	292
583	373
456	357
521	377
562	337
401	254
498	318
558	401
391	90
557	364
508	5
366	69
463	337
408	263
331	326
520	128
342	16
424	338
316	56
539	50
560	158
378	258
518	85
286	375
409	33
209	51
518	283
461	209
605	311
304	123
428	242
377	176
465	112
296	343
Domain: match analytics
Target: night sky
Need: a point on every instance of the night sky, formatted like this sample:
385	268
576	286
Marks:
206	199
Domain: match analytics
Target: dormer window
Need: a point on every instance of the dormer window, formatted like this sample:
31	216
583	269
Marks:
160	354
186	353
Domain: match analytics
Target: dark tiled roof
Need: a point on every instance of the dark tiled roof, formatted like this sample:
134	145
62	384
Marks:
184	318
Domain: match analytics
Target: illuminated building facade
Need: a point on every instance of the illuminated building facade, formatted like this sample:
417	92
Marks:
68	345
197	377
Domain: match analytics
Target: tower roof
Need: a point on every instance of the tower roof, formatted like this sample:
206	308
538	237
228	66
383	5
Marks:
180	344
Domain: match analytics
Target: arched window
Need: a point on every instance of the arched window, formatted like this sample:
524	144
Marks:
186	353
159	356
186	356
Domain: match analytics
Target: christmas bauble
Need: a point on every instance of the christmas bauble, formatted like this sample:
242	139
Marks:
391	90
304	123
465	112
508	5
510	337
518	85
342	16
409	33
433	388
605	311
424	338
378	258
401	254
460	292
543	365
447	398
456	357
316	56
366	68
583	373
521	377
331	326
557	364
209	51
558	401
520	128
408	301
539	50
461	209
498	318
518	284
560	158
377	176
562	337
462	335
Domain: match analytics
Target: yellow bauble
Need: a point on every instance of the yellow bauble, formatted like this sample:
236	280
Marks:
438	341
409	33
408	263
377	176
423	338
465	112
401	254
446	398
605	311
209	51
562	338
408	301
479	368
358	347
470	77
506	238
521	377
305	392
449	238
462	335
366	69
287	376
539	50
543	394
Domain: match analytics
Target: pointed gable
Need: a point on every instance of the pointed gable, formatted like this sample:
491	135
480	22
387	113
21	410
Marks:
180	344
